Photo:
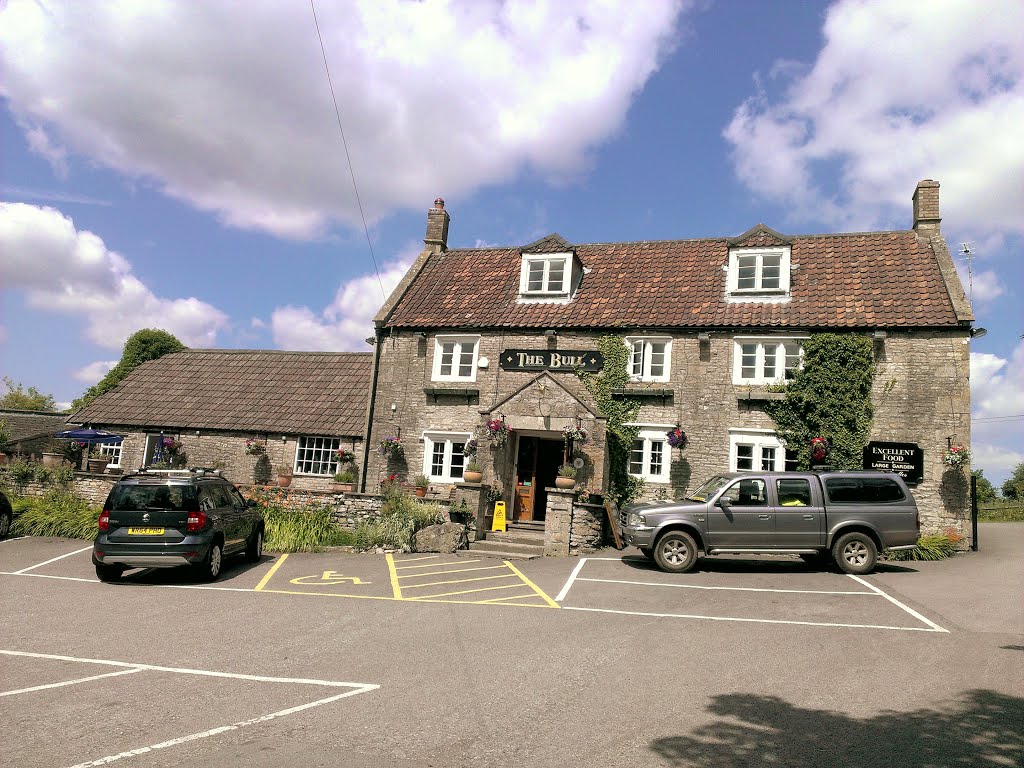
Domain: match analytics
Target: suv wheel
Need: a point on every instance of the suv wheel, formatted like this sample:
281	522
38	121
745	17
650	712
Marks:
855	553
209	569
108	573
647	552
675	552
254	549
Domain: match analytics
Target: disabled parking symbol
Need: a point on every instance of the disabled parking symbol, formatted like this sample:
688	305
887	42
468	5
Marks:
328	577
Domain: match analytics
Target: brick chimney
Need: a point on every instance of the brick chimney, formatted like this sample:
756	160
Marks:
926	207
437	227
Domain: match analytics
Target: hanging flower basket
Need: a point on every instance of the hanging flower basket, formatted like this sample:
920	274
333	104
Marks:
677	438
470	448
956	456
391	447
574	434
498	432
344	456
819	449
254	446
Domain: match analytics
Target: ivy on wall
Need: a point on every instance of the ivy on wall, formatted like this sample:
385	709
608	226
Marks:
622	488
829	397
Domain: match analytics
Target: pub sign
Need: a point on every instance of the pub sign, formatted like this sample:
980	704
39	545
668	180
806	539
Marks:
551	360
905	459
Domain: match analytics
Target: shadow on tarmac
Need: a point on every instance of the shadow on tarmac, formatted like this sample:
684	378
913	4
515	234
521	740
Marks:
982	728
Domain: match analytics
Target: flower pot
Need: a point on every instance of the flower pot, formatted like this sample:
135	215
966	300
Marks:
421	492
341	487
565	483
56	459
472	477
284	480
3	458
98	465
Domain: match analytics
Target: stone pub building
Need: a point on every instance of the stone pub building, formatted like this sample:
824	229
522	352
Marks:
496	335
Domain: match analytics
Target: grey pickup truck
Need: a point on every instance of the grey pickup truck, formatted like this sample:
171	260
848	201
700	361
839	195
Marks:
852	515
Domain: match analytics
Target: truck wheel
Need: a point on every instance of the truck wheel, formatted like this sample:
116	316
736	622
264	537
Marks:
675	552
855	553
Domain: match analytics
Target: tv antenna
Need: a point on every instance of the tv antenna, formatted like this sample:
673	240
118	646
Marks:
965	250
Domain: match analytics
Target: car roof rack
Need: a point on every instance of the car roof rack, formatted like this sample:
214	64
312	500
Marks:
188	471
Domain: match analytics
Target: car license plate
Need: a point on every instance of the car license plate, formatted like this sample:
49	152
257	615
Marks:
145	531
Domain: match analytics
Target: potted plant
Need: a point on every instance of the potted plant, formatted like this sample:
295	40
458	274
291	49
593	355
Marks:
284	475
473	473
956	456
498	432
255	446
422	482
97	462
391	447
344	481
566	477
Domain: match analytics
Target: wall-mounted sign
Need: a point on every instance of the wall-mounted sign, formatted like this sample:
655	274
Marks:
551	360
905	459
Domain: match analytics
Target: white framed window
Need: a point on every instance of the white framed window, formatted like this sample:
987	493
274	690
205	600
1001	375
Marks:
765	361
455	358
443	459
317	456
756	450
545	275
113	451
650	457
759	272
650	357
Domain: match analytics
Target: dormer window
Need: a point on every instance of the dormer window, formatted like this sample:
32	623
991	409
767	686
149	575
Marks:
545	275
756	274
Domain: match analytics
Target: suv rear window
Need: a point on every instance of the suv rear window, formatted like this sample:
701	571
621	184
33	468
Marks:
128	497
863	490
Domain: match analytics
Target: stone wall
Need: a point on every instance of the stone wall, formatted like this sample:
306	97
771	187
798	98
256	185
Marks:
227	450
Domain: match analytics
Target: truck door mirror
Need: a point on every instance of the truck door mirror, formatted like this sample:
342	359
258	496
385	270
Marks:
723	502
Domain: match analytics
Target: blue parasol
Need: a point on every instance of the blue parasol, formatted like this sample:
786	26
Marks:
90	436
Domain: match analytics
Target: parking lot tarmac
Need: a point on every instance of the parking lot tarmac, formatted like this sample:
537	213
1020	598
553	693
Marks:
745	662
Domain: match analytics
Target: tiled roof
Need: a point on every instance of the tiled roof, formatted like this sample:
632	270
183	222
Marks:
873	279
308	393
553	243
26	425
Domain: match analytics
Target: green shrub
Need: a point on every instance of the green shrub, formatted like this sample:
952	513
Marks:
59	513
931	546
21	472
301	530
400	517
1006	511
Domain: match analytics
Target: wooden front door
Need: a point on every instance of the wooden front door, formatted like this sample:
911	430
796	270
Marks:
536	466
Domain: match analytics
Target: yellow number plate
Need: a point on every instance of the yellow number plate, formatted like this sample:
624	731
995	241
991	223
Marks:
145	531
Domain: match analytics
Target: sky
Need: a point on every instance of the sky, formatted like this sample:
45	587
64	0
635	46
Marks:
199	167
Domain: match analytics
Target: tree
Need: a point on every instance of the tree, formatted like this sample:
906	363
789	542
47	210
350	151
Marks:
1013	488
142	346
27	400
986	491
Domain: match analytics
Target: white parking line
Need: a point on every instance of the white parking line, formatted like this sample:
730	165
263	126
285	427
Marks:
72	682
896	602
875	591
732	589
16	538
51	560
131	667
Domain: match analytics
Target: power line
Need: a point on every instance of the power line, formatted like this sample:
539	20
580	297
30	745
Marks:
337	114
999	418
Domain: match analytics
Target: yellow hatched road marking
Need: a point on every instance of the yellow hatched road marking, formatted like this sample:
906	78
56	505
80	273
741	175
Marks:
458	570
533	586
460	581
417	559
271	572
397	590
465	592
429	565
496	600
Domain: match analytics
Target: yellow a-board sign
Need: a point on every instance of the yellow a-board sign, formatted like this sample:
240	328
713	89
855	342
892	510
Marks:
499	517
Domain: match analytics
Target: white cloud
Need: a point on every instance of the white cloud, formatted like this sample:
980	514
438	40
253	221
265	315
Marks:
65	270
348	321
227	106
93	372
987	286
900	92
997	397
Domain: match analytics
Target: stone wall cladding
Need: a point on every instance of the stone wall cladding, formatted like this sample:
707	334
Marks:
227	450
558	523
921	395
587	529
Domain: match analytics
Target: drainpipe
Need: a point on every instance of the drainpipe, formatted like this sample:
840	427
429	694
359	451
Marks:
378	342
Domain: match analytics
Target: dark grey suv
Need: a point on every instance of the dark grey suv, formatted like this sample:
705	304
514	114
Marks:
169	518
